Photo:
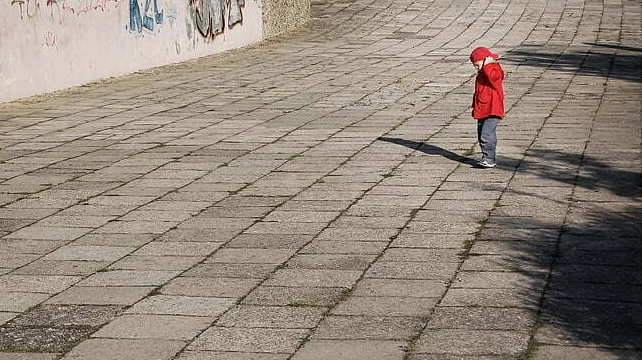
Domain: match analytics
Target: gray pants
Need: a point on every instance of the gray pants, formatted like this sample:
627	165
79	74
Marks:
487	136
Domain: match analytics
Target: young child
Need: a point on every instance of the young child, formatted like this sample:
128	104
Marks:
488	102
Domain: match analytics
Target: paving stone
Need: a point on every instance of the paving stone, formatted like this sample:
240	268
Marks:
215	270
472	342
134	240
301	216
98	295
456	357
61	316
48	233
400	287
412	270
26	246
597	274
256	212
88	253
156	263
330	261
288	317
285	228
159	248
6	316
564	333
593	292
159	215
27	356
485	318
294	296
219	355
14	301
249	340
357	234
222	223
492	297
419	255
436	241
205	235
46	340
166	327
368	328
86	221
583	311
182	305
543	352
14	261
68	268
49	284
136	227
315	278
385	306
129	278
508	263
351	350
125	349
256	256
269	241
343	247
210	287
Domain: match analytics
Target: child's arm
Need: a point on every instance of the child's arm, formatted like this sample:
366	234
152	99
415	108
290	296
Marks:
494	74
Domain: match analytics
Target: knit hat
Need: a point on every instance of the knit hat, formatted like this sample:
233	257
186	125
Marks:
480	53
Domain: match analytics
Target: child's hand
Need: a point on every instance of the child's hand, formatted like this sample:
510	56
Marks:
480	64
489	60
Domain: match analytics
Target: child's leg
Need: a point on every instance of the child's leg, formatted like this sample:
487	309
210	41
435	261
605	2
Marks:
487	136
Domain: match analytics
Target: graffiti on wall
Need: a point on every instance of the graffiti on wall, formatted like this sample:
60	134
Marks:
27	7
210	15
58	8
138	21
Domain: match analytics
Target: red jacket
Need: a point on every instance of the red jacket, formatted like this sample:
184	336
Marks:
489	92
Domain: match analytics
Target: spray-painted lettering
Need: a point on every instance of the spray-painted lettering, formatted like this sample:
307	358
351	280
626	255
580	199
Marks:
209	15
138	21
28	7
50	39
58	8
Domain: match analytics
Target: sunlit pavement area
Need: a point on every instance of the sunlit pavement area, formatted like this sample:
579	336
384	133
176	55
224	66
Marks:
315	197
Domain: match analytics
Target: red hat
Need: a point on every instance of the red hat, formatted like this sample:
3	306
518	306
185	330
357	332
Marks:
480	53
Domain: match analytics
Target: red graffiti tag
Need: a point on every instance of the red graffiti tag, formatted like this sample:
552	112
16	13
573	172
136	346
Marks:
50	39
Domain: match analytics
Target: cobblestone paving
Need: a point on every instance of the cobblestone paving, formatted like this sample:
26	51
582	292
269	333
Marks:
314	196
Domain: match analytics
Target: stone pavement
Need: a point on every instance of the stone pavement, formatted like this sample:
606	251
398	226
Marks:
314	197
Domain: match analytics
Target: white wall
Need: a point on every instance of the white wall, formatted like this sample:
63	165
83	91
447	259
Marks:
47	45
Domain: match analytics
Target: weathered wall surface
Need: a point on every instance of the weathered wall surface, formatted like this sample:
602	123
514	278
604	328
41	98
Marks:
47	45
280	16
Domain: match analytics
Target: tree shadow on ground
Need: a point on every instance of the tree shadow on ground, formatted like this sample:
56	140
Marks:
593	297
430	150
621	62
594	174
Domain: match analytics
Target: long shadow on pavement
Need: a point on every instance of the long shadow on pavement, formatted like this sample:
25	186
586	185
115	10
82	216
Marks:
429	149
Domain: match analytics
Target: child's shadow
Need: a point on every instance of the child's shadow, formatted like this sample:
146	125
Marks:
430	150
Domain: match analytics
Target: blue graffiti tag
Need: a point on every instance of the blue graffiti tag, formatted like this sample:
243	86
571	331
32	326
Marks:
138	22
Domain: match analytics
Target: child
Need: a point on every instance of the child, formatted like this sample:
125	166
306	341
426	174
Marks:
488	102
